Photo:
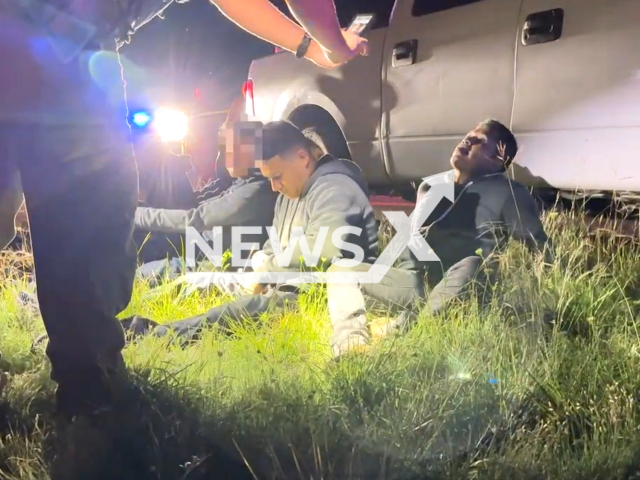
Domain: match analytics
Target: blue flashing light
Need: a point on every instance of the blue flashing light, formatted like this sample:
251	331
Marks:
141	119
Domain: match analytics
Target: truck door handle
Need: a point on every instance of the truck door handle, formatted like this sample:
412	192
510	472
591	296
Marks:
543	27
404	53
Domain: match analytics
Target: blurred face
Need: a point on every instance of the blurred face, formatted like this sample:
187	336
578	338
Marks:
240	142
477	153
288	173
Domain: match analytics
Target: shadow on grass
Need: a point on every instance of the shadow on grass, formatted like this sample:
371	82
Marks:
157	431
151	433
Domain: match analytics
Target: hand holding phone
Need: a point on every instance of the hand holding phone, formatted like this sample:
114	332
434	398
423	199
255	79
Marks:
355	43
361	23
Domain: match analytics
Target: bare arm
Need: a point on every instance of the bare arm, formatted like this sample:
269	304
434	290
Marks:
262	19
265	21
319	19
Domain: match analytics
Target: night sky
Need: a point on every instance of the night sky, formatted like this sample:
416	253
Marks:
195	46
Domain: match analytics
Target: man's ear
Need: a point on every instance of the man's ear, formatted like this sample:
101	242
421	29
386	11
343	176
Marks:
305	156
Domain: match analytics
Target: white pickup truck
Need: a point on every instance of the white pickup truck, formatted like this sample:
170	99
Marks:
563	74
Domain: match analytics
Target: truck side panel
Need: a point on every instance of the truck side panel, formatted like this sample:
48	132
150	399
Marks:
462	74
577	106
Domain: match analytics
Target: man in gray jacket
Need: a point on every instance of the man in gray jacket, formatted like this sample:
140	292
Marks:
319	195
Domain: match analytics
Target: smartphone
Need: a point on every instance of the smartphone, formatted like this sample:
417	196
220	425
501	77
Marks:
361	23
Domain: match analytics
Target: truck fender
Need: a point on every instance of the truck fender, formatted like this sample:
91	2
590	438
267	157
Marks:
318	117
295	98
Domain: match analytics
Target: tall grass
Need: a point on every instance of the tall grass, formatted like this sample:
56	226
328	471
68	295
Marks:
542	383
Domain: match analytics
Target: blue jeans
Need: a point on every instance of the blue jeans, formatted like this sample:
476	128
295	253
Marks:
65	145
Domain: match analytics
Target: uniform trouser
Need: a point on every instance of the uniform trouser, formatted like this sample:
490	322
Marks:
66	148
401	294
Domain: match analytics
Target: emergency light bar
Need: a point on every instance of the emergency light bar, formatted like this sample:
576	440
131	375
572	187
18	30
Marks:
141	119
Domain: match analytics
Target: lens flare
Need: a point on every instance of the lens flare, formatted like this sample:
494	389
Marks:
171	125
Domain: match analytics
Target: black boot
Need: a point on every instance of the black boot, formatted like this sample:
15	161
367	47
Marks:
91	390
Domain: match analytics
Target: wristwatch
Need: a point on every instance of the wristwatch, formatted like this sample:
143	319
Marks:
301	51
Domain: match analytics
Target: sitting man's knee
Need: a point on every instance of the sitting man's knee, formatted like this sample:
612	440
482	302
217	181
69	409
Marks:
469	265
479	274
333	268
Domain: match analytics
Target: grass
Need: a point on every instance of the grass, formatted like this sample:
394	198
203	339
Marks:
548	372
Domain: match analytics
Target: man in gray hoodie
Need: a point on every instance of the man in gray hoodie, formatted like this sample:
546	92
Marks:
319	195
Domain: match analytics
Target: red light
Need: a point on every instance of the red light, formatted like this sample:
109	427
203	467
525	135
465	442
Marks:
247	93
197	93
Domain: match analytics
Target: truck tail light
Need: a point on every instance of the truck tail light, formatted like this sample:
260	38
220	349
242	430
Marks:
247	92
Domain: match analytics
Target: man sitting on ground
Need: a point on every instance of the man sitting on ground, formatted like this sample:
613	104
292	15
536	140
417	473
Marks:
226	202
465	236
319	194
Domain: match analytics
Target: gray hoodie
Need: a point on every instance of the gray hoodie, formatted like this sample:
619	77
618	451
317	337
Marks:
335	196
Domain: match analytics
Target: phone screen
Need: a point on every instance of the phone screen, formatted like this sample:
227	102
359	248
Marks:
360	23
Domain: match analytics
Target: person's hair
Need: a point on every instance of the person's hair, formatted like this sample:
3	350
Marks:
280	137
504	139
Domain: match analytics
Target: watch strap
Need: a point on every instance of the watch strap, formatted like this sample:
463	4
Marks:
302	49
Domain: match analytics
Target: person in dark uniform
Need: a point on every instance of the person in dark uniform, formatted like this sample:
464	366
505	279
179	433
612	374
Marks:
65	148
